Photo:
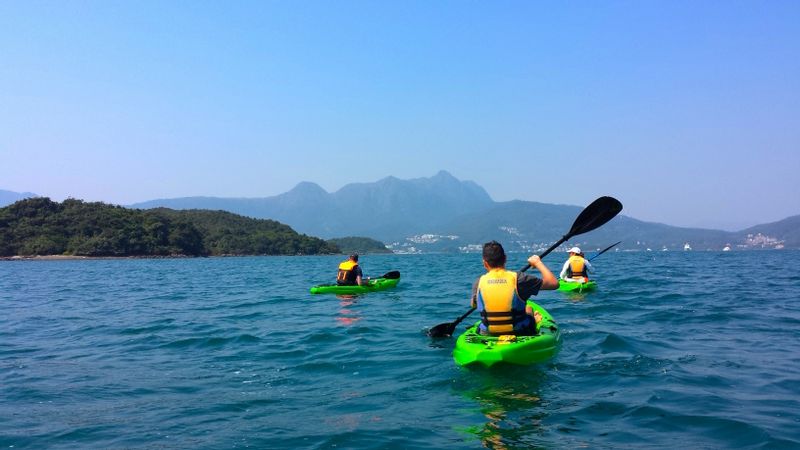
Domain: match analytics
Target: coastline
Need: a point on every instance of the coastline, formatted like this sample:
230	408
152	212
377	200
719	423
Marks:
78	257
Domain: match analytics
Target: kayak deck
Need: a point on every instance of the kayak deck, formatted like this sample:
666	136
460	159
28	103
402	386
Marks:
574	286
377	284
473	348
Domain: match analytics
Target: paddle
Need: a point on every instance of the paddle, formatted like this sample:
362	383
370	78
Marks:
604	250
593	216
393	275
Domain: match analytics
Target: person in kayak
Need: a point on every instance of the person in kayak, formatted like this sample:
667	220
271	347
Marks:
500	295
577	268
349	273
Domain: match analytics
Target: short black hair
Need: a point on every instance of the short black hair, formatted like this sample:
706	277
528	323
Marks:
354	257
493	254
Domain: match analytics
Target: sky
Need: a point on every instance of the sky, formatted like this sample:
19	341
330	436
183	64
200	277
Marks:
686	111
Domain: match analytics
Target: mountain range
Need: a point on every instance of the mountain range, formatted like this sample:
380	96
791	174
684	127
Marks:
443	213
9	197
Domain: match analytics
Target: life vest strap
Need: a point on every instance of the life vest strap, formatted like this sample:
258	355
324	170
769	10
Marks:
501	322
513	313
502	318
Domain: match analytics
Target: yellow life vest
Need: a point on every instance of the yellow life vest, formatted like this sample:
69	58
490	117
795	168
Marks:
576	267
497	291
346	274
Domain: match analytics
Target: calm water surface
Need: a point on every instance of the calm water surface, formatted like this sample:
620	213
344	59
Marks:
695	349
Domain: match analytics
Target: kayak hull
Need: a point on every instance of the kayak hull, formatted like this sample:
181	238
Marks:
377	284
569	286
473	349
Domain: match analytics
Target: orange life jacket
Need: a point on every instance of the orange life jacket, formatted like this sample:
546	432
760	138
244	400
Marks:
577	267
347	274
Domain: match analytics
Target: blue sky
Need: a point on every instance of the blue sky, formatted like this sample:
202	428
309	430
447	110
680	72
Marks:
688	112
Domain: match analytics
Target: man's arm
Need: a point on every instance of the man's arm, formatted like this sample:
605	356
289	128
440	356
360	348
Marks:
549	281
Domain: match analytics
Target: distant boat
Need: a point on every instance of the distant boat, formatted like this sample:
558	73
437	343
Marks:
649	250
664	249
687	247
727	248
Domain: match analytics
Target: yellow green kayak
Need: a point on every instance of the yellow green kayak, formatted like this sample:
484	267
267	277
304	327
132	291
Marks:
473	348
387	281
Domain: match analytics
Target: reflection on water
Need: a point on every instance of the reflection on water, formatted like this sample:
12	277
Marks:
512	400
576	297
347	315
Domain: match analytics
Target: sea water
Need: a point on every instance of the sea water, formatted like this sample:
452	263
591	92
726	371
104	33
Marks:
675	349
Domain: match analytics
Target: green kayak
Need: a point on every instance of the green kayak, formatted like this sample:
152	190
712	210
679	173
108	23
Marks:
387	281
574	286
473	348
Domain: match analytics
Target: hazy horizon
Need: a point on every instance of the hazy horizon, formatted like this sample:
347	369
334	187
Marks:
687	112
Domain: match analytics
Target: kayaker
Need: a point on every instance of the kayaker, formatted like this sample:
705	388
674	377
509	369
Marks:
349	273
500	295
577	268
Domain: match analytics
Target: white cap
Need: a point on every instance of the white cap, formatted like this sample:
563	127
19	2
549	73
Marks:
574	250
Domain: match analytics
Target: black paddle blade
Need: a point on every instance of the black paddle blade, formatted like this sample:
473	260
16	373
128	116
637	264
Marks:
447	329
595	215
393	275
443	330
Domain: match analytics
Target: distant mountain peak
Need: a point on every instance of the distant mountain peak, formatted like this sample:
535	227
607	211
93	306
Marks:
307	188
387	180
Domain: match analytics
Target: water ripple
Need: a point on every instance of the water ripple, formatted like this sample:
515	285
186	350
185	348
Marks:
235	353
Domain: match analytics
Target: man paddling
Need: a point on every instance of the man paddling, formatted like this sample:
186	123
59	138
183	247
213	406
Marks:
349	273
576	269
500	295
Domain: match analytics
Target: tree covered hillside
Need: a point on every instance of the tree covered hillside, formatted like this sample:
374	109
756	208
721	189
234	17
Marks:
353	244
39	226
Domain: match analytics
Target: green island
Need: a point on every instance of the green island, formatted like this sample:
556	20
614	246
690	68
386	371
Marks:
363	245
40	226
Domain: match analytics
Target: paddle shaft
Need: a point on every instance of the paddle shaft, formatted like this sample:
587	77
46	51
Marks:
547	252
604	250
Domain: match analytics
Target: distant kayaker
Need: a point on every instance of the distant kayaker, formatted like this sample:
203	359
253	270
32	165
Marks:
500	295
576	268
349	272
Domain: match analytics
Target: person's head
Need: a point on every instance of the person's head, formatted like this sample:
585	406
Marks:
354	257
574	251
493	254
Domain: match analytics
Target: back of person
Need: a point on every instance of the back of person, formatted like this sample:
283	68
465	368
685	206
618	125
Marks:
501	308
500	295
577	267
348	273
